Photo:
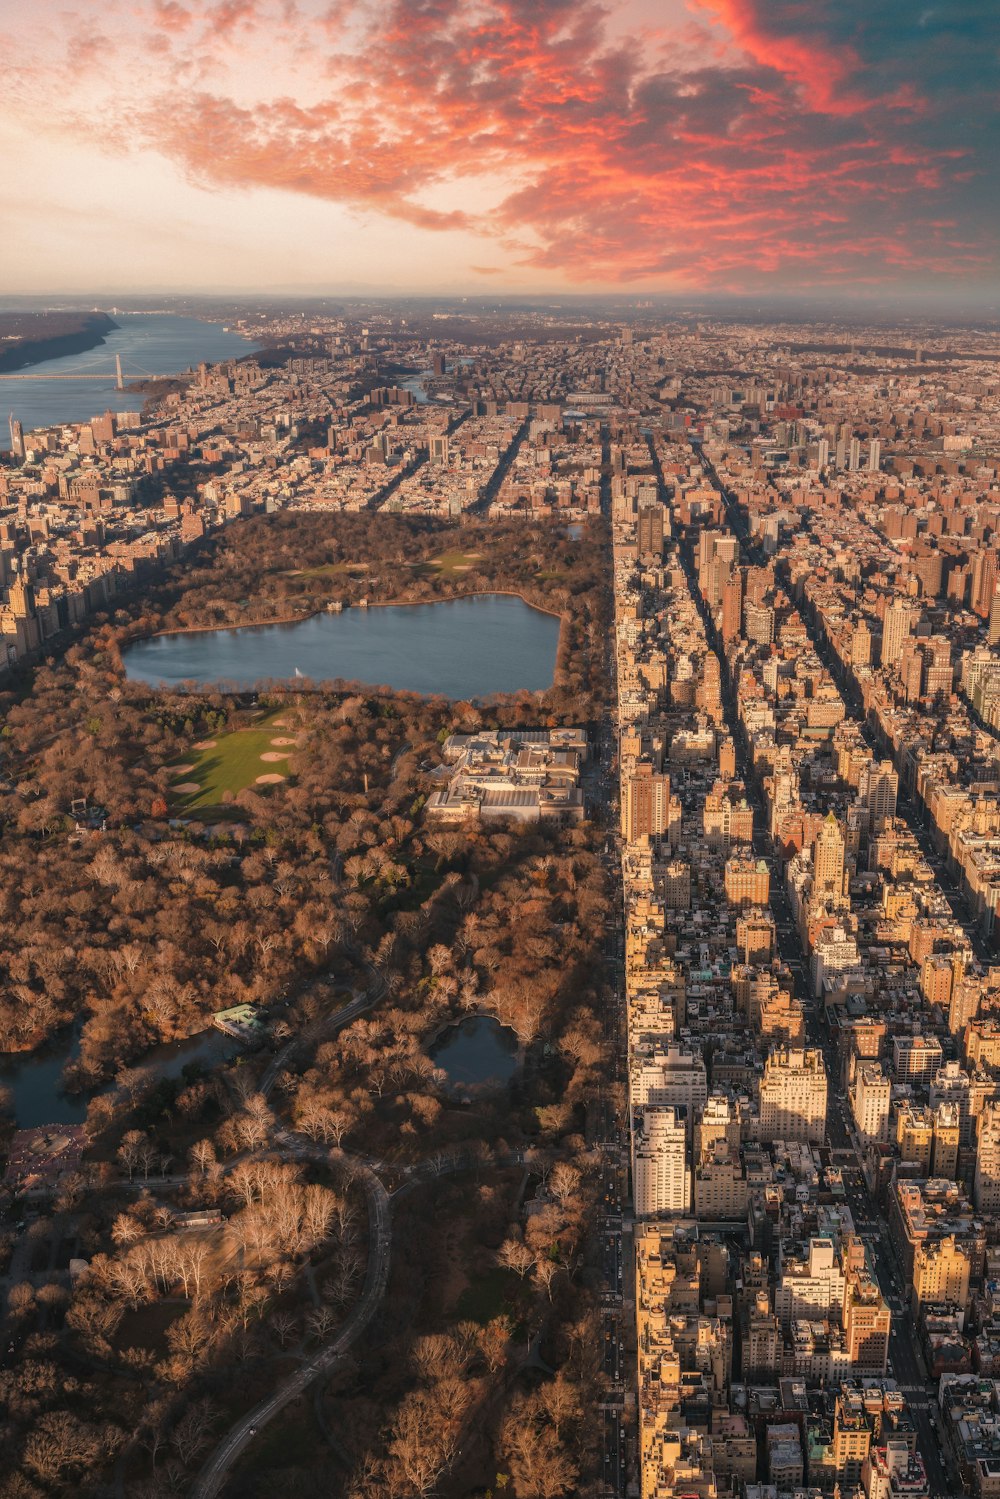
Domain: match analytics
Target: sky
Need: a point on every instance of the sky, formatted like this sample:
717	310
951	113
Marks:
460	146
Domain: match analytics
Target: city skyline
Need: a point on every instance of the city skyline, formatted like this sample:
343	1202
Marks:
712	147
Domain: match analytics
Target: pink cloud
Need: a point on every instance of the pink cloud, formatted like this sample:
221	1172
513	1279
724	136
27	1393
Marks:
779	148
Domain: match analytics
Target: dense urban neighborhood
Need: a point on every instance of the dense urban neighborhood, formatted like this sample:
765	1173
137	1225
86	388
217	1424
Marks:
499	979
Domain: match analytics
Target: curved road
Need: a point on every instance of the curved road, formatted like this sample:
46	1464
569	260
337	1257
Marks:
315	1032
216	1470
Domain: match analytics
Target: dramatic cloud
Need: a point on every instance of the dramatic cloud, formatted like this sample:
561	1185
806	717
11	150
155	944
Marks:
742	143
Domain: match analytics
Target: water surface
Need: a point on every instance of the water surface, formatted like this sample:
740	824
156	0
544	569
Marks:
35	1078
149	343
462	648
477	1050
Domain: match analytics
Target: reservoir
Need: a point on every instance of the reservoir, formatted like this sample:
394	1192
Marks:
478	1050
150	343
462	648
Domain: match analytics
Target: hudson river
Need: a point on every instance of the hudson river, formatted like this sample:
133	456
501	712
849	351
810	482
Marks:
149	343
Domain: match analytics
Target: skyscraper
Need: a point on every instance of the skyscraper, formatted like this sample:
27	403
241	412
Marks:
661	1169
645	803
650	532
987	1184
828	861
896	627
879	788
793	1095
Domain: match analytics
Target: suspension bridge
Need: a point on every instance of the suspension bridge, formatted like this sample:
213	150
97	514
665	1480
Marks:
105	376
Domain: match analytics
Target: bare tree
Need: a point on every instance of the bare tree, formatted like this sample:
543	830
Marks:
190	1436
515	1255
546	1271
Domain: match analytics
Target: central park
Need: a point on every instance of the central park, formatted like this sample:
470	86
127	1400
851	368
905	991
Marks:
207	847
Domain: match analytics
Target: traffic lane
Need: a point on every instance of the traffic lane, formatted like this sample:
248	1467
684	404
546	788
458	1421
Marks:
937	1478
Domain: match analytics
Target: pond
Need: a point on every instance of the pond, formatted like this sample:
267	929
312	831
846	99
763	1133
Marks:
478	1050
34	1079
462	648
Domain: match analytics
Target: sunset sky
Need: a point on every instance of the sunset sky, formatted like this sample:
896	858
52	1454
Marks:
507	145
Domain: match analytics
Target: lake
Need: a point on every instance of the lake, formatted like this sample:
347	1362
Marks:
476	1051
462	648
149	343
35	1078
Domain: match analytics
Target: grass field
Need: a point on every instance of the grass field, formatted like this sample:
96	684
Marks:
448	565
232	763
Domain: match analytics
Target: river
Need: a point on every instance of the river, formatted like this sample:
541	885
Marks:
461	648
149	343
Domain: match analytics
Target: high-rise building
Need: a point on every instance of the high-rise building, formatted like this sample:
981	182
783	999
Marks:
747	882
661	1172
810	1286
852	1436
867	1321
861	645
16	436
941	1271
878	790
649	536
984	580
947	1133
870	1103
676	1077
915	1135
966	996
892	1468
987	1181
915	1059
645	808
758	623
762	1340
732	606
828	861
874	455
720	1185
896	629
793	1095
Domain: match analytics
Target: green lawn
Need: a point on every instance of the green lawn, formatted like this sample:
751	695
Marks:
232	764
448	565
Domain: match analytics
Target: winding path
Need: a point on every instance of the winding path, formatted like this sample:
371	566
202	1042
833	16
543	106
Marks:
239	1437
315	1032
216	1470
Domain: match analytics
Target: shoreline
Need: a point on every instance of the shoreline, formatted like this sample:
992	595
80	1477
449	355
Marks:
35	351
296	619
